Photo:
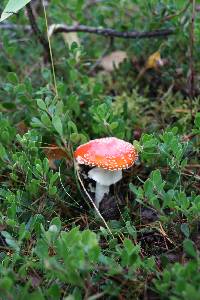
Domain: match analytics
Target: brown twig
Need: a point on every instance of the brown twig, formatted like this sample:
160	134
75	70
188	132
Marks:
37	32
111	32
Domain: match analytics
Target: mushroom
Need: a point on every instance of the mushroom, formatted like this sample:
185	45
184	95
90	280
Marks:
109	156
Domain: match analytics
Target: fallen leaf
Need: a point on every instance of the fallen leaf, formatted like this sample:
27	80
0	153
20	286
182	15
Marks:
112	61
68	37
54	153
22	128
154	61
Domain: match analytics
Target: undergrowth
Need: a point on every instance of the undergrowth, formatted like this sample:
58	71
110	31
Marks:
53	245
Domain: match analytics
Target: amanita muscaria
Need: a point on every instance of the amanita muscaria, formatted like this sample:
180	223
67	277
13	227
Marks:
109	156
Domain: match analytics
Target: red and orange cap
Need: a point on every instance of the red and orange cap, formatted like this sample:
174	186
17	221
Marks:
108	153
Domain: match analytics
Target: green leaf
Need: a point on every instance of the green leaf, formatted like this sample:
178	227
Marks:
137	191
148	188
197	120
12	7
36	122
41	104
129	246
3	154
185	230
131	230
37	295
54	292
157	179
39	168
56	221
74	104
10	240
52	190
11	211
137	146
188	247
57	124
114	125
53	178
72	127
12	78
45	119
6	283
78	138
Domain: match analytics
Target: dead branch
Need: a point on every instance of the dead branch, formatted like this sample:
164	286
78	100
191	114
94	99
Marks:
110	32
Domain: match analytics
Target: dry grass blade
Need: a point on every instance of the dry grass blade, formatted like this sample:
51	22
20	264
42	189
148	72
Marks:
92	202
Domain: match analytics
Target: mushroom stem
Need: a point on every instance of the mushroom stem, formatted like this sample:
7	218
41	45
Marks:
104	178
101	190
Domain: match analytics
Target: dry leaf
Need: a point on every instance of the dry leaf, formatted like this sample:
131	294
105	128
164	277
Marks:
21	127
53	153
69	37
154	61
112	61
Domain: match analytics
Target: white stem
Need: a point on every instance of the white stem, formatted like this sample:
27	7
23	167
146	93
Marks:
104	178
101	190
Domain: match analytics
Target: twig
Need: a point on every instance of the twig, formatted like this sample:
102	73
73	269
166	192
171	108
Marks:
10	26
111	32
37	32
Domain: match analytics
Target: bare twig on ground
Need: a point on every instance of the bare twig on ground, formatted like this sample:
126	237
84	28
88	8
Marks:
57	28
111	32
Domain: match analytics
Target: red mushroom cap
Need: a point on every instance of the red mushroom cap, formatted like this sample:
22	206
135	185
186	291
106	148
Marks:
108	153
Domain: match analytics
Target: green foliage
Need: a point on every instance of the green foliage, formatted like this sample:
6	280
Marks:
179	281
52	243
